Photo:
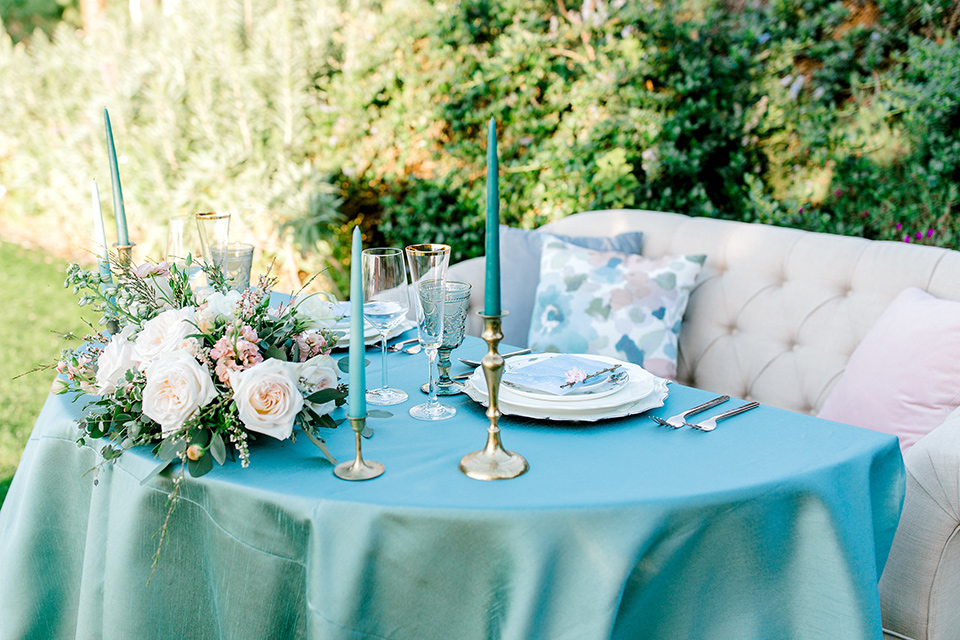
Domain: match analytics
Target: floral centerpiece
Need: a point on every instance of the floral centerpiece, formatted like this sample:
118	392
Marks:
198	372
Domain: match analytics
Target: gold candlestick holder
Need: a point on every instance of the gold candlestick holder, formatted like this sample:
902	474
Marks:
124	253
493	462
124	258
358	468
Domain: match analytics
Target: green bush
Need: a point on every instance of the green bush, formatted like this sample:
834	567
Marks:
314	115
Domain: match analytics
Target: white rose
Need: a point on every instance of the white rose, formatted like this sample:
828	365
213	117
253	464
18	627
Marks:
176	387
116	359
267	398
201	293
317	373
217	305
165	332
318	312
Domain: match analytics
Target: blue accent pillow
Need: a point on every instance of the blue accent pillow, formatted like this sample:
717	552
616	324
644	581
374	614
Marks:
612	304
520	272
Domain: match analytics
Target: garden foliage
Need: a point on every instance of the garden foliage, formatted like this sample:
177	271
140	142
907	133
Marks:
308	115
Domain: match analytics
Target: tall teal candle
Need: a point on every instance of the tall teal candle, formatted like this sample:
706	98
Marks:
122	237
358	379
491	301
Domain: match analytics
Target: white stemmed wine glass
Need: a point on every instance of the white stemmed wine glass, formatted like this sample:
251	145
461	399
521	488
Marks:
428	271
385	303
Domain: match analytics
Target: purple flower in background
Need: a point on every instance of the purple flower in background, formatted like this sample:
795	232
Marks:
837	193
919	235
906	238
899	226
864	214
929	233
801	209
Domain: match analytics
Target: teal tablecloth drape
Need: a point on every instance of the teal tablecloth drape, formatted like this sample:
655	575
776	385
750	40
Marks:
776	525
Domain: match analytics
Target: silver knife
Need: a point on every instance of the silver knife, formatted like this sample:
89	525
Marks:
475	364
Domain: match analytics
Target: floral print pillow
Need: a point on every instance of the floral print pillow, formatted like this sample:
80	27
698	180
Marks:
612	304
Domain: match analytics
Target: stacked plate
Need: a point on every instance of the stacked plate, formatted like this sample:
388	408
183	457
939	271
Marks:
628	391
370	335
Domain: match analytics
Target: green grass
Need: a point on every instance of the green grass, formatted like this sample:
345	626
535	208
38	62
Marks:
35	310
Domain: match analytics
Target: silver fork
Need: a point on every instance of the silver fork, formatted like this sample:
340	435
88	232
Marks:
679	420
711	423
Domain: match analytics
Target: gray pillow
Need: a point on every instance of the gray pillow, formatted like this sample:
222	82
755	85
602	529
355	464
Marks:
520	272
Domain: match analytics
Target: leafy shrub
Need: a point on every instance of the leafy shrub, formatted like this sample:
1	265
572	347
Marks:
310	117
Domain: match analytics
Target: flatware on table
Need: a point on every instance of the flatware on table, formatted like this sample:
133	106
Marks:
398	346
475	363
711	423
679	420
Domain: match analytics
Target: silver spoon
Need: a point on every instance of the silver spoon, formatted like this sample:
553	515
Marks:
398	346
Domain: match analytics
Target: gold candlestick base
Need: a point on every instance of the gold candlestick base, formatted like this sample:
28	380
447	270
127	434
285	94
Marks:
124	258
124	253
358	468
493	462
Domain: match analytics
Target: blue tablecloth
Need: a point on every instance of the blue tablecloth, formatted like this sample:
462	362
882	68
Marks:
776	525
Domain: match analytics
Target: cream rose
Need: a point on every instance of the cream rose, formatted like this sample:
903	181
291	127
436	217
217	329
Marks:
316	374
319	313
116	359
176	387
217	305
267	398
164	333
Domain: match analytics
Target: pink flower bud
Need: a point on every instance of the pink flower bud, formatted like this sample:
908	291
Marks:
194	452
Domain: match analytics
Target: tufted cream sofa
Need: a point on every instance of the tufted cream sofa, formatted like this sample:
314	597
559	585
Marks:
774	317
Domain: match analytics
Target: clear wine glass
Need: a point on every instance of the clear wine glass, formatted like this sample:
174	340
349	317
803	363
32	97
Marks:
386	301
183	239
428	271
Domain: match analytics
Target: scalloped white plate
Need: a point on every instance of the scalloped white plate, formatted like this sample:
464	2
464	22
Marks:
643	392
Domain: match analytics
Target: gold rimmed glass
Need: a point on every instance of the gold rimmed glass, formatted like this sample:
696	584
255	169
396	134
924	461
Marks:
428	272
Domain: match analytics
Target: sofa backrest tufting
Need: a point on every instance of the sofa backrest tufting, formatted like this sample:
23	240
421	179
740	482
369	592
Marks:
776	312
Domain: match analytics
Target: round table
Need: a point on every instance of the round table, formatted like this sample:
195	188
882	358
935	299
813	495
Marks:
775	525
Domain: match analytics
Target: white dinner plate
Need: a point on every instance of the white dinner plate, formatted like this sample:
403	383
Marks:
643	392
370	335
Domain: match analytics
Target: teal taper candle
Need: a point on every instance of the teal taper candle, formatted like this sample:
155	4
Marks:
358	379
491	301
122	238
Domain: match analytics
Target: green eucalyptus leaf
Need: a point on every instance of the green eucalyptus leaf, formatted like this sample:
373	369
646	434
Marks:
344	363
379	413
273	351
326	422
320	445
325	395
170	448
200	436
97	428
367	432
157	470
201	466
218	449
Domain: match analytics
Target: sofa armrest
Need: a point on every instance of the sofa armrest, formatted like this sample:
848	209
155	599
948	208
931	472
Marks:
920	586
474	272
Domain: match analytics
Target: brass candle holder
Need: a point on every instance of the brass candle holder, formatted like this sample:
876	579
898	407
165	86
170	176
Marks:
493	462
358	468
124	253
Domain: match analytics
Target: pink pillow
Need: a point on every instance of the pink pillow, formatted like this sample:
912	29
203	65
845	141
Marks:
904	378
